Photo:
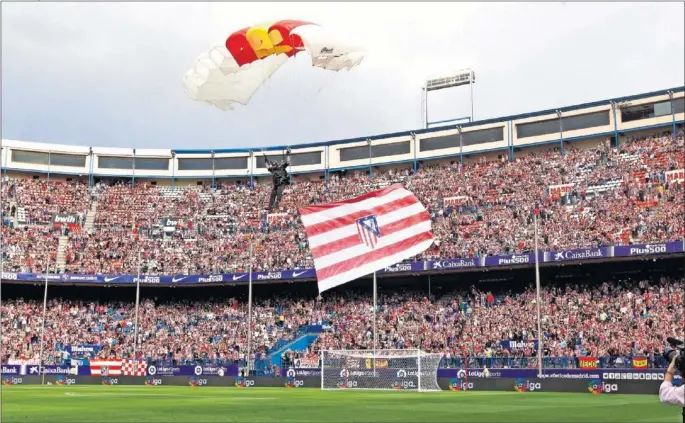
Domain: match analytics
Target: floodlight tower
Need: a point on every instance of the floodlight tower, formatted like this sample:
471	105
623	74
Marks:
454	79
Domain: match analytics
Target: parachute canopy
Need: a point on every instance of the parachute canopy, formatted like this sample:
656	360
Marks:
233	72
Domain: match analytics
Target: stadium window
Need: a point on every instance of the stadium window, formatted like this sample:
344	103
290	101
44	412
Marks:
70	160
298	159
679	105
111	162
570	123
225	163
482	136
195	164
379	150
651	110
151	164
32	157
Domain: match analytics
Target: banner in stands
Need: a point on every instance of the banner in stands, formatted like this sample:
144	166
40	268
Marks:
65	219
674	175
507	344
588	362
83	350
307	274
307	363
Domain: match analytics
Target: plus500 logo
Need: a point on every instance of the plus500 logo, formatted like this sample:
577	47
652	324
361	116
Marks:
8	276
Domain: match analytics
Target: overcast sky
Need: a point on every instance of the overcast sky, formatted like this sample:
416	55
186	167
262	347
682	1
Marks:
109	74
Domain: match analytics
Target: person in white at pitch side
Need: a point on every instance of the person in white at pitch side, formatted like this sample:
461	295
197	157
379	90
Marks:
669	394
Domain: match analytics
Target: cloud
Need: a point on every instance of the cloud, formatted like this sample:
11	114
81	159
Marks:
110	73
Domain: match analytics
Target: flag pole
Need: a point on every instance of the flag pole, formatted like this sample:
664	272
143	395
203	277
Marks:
537	289
135	328
375	331
249	312
42	330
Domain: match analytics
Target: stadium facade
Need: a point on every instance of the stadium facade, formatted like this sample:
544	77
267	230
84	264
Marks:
503	137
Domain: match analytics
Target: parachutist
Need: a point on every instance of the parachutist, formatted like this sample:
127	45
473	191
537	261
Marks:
280	178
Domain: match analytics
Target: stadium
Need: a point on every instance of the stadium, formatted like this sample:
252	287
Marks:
147	284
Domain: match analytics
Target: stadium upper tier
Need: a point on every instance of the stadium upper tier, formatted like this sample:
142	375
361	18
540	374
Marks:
607	119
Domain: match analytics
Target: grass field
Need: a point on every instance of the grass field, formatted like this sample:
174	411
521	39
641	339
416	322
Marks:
184	404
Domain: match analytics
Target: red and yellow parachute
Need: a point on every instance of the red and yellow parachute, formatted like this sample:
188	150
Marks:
233	72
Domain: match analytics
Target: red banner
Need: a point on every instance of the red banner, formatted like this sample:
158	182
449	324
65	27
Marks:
587	362
639	362
675	175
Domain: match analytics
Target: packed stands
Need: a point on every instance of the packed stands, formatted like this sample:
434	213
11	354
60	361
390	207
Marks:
618	196
613	320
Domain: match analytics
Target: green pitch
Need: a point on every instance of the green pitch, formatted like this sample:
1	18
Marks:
101	404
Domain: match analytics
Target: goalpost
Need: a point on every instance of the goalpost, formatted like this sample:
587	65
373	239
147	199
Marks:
412	370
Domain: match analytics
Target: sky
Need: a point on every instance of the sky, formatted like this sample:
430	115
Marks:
110	74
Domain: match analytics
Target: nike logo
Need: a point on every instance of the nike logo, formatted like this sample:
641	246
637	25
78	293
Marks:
110	279
296	274
236	277
175	279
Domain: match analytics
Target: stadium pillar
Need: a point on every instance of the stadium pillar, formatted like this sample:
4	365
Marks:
173	169
325	162
133	176
368	141
91	180
213	169
42	330
614	106
413	136
561	132
511	142
461	147
670	96
49	164
251	169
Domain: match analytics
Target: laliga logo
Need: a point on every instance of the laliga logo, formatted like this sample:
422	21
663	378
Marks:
62	381
195	381
291	382
401	373
198	370
460	385
522	385
150	381
9	380
290	372
344	373
596	387
241	382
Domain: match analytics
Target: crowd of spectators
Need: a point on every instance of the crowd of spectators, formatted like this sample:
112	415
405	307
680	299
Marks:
615	320
619	196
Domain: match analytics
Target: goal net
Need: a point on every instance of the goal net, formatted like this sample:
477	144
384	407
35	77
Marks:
413	370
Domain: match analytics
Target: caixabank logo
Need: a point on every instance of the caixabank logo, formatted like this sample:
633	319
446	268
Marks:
596	387
524	385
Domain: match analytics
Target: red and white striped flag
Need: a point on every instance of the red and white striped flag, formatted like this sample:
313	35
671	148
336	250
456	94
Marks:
359	236
105	367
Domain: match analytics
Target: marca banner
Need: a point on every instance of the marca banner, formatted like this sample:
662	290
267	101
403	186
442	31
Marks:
455	201
508	345
639	362
588	362
674	175
583	254
557	191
